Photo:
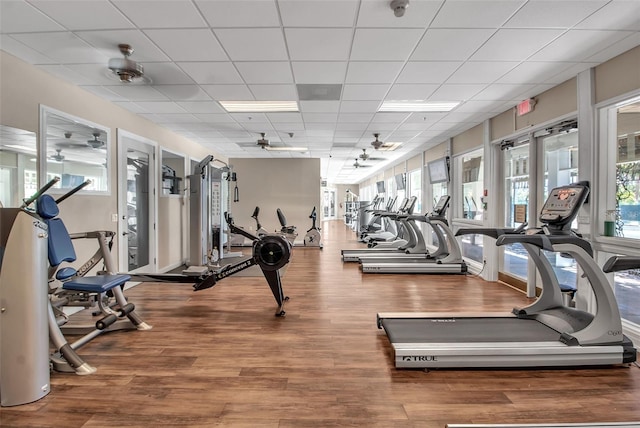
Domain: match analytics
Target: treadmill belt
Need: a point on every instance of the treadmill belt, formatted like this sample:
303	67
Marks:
460	330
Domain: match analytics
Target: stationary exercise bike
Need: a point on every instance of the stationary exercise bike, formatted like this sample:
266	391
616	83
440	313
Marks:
313	238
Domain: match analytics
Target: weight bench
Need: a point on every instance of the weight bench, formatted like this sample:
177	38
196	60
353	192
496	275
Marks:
60	249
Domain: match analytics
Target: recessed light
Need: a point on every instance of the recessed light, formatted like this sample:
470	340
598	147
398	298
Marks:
418	105
259	106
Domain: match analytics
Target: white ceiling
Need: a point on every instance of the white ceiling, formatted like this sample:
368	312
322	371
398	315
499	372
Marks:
487	55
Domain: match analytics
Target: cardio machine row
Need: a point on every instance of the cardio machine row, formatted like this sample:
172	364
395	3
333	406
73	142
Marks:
401	248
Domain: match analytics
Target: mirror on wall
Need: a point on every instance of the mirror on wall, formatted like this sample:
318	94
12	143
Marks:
73	149
172	173
18	167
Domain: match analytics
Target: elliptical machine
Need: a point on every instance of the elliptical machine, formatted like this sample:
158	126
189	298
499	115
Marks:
313	238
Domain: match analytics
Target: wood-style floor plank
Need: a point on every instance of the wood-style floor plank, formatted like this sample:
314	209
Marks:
220	358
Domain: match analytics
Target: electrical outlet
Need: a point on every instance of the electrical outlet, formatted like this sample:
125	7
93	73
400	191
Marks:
114	218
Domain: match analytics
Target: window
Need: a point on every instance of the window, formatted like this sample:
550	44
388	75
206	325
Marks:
414	179
472	185
626	216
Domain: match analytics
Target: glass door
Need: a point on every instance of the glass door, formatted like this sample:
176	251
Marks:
516	193
136	204
560	154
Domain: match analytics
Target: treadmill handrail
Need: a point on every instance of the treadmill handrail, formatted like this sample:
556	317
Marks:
618	263
545	242
490	232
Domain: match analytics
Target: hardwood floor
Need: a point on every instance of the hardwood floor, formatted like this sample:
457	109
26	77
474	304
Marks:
219	357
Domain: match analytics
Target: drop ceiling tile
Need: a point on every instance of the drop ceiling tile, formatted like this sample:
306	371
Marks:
77	77
21	17
355	117
319	71
359	106
534	72
475	106
183	92
481	71
166	73
244	118
318	44
318	129
167	118
393	44
201	107
229	92
138	93
320	118
161	13
274	92
318	13
211	72
19	50
578	45
411	92
621	47
389	117
475	13
190	44
62	47
615	15
319	106
364	92
414	126
456	92
427	72
553	14
84	15
132	107
379	14
215	118
423	117
254	44
287	127
108	40
265	72
240	13
372	72
505	92
285	117
381	127
351	128
160	107
515	44
450	44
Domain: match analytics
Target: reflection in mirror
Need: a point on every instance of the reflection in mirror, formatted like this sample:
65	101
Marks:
172	173
74	150
18	177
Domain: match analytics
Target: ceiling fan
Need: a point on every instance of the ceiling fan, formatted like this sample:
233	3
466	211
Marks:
357	164
126	69
376	143
366	156
58	157
264	144
95	143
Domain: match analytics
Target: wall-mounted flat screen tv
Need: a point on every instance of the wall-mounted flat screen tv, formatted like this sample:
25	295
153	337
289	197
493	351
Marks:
380	185
400	181
439	170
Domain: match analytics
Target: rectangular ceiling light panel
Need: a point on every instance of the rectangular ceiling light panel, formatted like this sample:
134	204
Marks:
259	106
418	106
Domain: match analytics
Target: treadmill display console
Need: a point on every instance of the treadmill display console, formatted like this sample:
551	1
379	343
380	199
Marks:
441	207
563	204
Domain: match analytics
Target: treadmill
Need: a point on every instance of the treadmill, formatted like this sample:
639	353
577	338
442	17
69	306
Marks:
387	247
543	334
446	260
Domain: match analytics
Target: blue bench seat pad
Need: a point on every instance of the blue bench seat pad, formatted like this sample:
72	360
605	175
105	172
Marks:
96	284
